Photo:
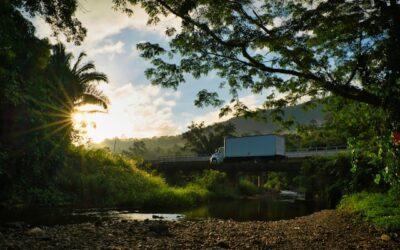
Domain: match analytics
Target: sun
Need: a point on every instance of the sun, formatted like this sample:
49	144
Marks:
85	122
94	125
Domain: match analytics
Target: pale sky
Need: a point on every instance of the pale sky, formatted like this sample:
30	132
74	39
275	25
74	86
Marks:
137	108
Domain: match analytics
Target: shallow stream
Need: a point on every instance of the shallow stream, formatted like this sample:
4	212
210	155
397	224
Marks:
267	208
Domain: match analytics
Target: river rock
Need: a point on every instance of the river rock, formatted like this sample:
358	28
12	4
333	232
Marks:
36	232
159	228
385	237
98	223
88	227
222	244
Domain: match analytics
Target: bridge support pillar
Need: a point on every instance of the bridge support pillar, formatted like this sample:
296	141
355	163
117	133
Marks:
233	178
261	179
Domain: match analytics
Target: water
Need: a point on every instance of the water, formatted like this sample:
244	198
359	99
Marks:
264	209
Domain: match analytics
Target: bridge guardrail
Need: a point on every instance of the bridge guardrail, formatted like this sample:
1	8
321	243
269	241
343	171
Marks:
301	152
182	158
339	147
317	151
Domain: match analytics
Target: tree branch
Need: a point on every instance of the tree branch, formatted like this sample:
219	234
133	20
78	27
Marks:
347	90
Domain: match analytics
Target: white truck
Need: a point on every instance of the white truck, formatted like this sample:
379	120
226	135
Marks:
257	147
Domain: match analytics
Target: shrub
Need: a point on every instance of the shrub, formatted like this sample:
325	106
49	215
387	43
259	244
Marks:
216	183
246	187
276	181
99	178
382	210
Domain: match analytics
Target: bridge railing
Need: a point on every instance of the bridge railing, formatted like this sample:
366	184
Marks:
301	152
317	151
337	147
183	158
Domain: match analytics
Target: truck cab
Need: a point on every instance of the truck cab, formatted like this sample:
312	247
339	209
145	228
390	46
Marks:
218	156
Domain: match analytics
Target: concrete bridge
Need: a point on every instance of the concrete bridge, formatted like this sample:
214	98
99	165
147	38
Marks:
291	162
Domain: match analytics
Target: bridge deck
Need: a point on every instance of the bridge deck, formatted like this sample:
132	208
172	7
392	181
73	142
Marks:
195	163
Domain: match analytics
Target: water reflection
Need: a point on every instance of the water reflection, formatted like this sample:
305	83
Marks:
266	209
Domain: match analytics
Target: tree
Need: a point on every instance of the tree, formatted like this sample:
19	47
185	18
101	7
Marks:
137	149
31	148
77	82
368	139
205	140
301	48
306	48
60	15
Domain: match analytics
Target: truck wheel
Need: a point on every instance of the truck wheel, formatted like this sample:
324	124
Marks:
214	161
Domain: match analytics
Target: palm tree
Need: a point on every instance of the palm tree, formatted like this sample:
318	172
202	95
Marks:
78	82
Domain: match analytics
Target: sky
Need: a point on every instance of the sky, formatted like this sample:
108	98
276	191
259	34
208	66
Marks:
138	109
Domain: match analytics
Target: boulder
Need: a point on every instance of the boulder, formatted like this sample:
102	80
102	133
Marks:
222	244
385	237
159	229
36	232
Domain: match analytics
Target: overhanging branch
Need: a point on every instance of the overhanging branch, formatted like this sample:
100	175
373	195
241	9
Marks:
346	90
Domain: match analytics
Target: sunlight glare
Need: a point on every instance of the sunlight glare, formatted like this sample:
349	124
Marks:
97	126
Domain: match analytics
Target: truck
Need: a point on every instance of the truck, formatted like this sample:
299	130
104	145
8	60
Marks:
247	148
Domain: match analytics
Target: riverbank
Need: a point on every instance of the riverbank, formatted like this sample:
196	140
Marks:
327	229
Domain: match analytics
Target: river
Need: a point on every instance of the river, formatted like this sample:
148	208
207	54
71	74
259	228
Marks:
267	208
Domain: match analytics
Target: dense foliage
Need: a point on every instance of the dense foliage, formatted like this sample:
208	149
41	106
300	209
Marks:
30	150
328	179
40	90
277	181
381	209
348	48
205	140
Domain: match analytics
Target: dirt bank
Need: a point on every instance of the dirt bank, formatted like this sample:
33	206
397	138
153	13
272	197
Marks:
323	230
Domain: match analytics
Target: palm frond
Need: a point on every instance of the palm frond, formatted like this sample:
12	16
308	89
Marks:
60	56
88	66
89	98
86	78
76	83
78	61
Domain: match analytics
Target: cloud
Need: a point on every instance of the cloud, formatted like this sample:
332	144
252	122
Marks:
135	112
110	48
251	101
102	21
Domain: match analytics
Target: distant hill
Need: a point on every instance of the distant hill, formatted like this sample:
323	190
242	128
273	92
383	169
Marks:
257	126
172	145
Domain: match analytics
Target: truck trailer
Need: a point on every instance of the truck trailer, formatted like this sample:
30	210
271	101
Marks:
246	148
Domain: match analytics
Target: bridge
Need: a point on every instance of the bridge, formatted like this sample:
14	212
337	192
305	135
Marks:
291	161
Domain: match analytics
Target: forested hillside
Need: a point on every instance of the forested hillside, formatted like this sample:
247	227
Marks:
298	113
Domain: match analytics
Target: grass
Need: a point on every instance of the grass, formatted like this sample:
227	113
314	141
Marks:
382	210
99	178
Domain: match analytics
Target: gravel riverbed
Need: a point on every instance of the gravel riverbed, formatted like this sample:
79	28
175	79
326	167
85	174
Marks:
327	229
